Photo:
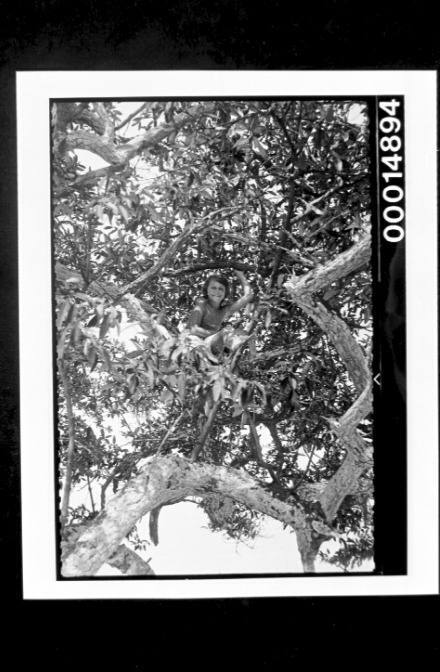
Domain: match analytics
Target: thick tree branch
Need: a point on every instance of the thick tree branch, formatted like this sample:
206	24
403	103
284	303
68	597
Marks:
129	562
323	276
358	452
69	277
137	311
161	481
359	456
90	176
309	541
104	146
341	337
97	119
356	413
300	290
347	480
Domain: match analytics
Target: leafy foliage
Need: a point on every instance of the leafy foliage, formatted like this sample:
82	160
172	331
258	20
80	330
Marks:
272	188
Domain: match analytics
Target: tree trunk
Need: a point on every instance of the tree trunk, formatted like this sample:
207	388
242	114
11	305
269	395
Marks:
129	562
164	480
358	457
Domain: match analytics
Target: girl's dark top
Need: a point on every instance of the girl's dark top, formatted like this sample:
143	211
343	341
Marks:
207	317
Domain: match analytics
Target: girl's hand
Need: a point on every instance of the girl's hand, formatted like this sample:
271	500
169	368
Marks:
244	283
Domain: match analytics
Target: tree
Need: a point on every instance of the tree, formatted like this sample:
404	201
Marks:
278	190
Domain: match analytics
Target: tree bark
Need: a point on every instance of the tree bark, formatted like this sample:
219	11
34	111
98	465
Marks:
341	337
119	154
300	290
162	481
358	452
358	459
129	562
323	276
359	456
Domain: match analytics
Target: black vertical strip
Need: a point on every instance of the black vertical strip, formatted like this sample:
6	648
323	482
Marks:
389	367
379	482
10	534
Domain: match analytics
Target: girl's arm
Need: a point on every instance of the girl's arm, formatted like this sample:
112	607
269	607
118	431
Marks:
247	297
199	331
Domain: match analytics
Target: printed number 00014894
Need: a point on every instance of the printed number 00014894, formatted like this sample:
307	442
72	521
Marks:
392	182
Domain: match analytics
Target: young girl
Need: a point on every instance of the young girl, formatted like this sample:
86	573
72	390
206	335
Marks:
210	313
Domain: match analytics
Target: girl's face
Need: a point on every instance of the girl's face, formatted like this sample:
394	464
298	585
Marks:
216	292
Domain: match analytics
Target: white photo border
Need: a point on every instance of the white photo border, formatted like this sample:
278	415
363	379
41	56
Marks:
34	91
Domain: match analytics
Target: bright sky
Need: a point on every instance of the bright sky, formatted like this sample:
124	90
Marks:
187	547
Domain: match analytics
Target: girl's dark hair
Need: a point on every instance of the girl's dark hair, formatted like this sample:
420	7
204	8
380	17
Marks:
219	278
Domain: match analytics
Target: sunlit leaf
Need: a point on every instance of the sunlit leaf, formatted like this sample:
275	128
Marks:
217	389
92	357
166	395
65	309
124	212
258	148
132	382
181	386
104	327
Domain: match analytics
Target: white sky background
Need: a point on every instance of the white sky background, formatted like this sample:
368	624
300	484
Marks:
186	545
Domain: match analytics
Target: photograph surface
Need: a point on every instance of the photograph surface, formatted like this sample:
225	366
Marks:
213	305
227	328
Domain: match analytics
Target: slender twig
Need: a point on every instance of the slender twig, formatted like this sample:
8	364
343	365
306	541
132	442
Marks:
309	263
285	131
210	265
205	432
306	470
170	252
106	483
130	117
258	450
309	207
169	431
91	494
112	475
288	225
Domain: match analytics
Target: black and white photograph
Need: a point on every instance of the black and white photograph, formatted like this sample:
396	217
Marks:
227	335
214	336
